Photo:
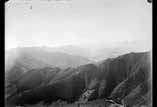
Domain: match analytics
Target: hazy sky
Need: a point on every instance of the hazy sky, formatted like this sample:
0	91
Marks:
78	22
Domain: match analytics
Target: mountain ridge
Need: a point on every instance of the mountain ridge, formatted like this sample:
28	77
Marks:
33	57
104	79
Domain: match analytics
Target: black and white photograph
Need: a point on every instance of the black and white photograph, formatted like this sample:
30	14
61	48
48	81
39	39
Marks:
78	53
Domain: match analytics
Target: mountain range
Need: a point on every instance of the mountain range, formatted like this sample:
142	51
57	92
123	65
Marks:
37	57
125	78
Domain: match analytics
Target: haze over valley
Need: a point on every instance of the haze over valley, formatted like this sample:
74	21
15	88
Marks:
78	53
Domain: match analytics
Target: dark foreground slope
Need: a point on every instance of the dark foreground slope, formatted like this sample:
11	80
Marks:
125	78
136	88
